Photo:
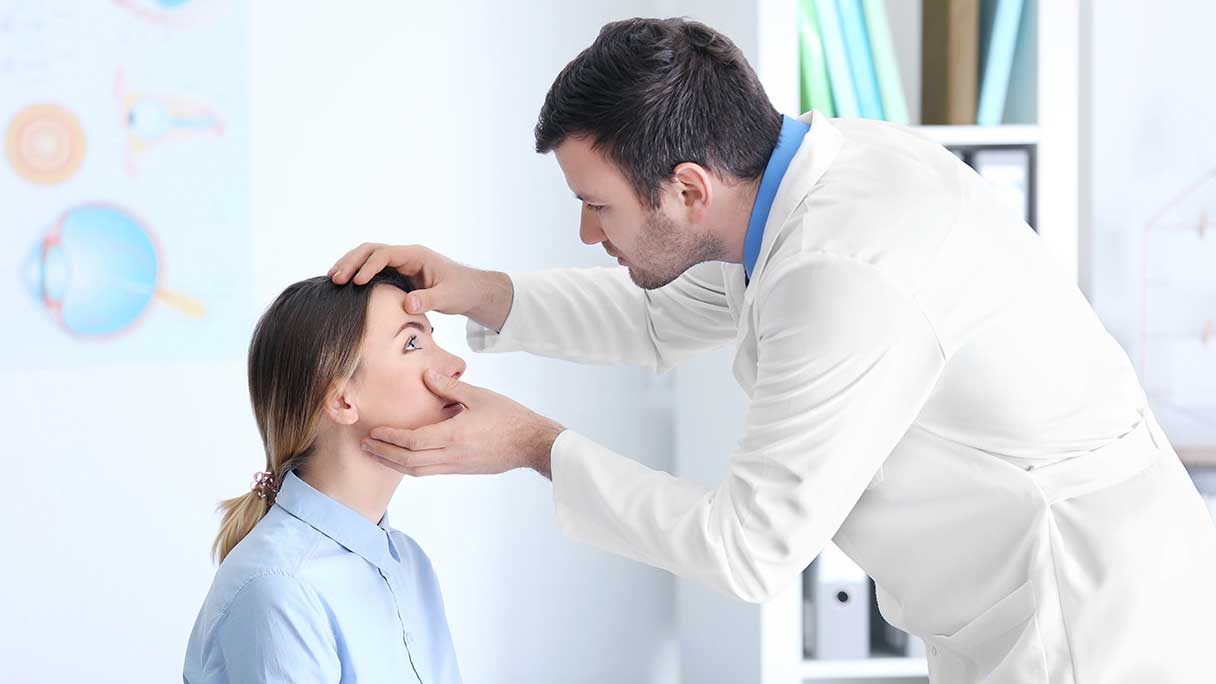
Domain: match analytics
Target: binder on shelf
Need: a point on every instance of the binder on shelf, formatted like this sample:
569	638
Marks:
861	65
839	76
949	61
999	22
886	66
816	88
1008	171
837	615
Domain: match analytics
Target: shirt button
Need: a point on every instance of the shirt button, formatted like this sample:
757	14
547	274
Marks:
409	637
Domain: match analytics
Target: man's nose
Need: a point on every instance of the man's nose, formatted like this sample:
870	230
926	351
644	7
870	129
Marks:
589	230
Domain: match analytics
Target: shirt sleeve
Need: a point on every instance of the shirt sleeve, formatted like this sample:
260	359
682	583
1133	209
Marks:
845	361
597	315
276	630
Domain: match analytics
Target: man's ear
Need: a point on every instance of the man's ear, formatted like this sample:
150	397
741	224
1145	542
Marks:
340	405
696	188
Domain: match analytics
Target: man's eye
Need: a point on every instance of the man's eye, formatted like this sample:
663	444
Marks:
410	346
596	207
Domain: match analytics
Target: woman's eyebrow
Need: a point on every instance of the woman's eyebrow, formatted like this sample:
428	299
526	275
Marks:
413	324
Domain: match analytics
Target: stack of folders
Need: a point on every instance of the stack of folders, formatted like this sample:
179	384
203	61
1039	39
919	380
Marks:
978	63
1205	481
840	616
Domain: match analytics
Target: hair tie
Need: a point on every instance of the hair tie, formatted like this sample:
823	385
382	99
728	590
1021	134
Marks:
264	484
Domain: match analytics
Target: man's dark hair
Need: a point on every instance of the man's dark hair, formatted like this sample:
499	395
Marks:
655	93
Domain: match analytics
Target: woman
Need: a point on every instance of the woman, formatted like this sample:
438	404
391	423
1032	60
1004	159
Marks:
313	584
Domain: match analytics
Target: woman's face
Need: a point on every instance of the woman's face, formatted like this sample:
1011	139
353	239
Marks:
387	389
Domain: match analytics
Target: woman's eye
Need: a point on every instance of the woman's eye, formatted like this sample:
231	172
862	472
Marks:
595	207
410	346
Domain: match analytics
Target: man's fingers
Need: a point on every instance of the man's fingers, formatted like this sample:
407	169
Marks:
402	459
351	261
434	436
368	259
409	260
376	261
442	468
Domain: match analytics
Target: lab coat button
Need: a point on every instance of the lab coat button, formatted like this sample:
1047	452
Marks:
933	651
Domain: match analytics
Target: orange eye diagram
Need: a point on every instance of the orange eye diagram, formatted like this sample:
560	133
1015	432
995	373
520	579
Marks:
45	144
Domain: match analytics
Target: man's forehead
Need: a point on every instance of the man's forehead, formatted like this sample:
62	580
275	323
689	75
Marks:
589	174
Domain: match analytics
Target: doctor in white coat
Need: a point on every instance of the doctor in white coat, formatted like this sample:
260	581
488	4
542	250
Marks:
927	387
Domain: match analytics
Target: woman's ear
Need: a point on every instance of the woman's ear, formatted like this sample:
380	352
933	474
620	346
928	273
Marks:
340	405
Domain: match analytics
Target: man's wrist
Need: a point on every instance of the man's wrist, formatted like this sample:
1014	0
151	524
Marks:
498	294
542	450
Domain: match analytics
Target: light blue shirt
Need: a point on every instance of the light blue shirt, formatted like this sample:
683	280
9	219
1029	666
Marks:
788	142
317	593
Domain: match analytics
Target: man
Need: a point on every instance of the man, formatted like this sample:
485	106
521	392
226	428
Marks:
926	387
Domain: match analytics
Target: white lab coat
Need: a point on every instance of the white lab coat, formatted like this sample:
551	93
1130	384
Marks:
927	389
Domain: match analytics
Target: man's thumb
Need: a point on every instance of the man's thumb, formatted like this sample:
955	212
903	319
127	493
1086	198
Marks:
445	386
420	301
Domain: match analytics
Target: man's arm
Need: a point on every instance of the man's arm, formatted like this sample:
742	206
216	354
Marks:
597	315
846	361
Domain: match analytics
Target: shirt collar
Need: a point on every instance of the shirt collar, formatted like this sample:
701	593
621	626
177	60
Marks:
339	523
792	133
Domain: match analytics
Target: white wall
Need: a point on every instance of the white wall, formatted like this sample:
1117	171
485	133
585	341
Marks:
1147	134
398	122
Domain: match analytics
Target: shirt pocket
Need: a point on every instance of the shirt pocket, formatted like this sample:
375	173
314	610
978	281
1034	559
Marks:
1001	644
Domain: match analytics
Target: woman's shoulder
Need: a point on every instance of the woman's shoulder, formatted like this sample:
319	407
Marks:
268	559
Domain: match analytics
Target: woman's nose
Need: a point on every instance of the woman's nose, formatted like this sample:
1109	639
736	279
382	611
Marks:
455	367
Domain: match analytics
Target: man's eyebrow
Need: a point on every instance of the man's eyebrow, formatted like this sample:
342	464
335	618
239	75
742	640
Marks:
413	324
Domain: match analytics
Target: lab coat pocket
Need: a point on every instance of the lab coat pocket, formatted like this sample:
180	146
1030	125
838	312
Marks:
1001	645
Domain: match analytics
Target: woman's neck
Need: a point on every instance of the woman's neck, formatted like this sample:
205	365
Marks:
344	473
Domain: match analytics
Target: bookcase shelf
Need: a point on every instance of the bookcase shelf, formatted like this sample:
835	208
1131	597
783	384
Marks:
881	667
982	136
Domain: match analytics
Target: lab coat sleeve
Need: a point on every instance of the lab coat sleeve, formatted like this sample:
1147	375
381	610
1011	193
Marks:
597	315
845	361
276	630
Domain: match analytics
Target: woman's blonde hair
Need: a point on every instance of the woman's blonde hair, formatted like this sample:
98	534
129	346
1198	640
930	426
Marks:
305	345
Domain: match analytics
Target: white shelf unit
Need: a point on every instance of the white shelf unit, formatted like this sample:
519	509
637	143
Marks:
722	639
973	136
864	668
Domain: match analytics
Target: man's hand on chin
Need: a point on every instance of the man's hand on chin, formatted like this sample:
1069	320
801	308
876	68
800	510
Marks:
492	435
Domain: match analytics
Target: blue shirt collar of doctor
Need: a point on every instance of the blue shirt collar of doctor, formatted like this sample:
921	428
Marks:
792	133
341	524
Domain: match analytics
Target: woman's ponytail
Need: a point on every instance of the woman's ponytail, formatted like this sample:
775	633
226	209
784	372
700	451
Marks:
240	515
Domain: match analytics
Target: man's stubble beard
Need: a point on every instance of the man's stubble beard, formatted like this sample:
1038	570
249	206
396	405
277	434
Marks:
668	252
